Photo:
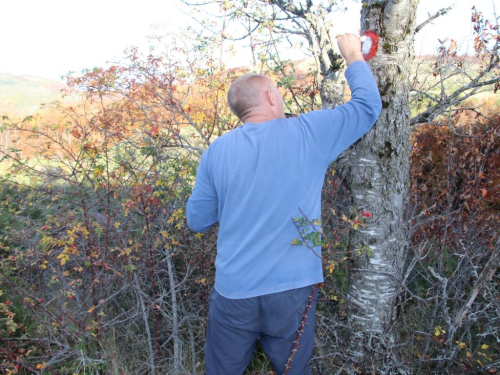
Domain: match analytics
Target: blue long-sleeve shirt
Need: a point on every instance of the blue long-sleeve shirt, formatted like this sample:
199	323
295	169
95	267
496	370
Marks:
257	178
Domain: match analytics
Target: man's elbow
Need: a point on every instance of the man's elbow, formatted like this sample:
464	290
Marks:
377	109
369	107
374	110
197	223
197	227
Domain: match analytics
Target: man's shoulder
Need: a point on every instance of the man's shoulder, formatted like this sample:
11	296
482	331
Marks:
221	140
224	137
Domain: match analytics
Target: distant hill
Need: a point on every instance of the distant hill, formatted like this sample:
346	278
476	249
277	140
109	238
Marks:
22	95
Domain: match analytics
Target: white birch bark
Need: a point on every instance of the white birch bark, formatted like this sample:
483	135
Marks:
377	172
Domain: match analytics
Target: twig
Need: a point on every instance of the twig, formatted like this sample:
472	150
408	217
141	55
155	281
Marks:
301	329
486	275
439	13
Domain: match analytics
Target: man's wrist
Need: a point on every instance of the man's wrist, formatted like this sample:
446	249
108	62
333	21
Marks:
356	56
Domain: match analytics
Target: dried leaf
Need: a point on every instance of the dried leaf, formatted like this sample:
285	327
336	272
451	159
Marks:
75	133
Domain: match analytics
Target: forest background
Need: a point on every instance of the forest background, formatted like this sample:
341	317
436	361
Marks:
100	275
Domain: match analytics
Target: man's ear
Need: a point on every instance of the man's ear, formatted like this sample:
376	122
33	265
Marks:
270	97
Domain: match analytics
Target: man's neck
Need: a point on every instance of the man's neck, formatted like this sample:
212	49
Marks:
258	119
263	116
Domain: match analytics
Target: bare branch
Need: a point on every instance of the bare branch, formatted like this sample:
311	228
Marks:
487	273
455	98
439	13
288	6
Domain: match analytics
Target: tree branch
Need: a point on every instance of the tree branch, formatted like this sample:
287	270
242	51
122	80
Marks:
487	273
453	99
287	6
439	13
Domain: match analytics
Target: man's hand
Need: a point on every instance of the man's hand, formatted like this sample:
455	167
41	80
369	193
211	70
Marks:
350	47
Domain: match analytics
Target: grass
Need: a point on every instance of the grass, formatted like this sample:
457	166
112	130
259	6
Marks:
260	364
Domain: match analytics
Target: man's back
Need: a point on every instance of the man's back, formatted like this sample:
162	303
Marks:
257	178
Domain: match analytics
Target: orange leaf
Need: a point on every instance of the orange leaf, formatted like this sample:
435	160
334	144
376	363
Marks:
484	192
75	133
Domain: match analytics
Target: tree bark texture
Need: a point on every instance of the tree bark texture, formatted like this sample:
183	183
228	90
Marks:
376	170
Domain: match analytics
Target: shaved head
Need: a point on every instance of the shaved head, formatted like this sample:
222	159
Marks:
247	93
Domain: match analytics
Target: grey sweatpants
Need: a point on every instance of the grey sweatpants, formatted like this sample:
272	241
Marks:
235	325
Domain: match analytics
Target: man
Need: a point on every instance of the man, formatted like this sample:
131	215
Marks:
254	180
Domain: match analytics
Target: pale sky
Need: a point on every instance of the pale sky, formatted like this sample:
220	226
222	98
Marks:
49	38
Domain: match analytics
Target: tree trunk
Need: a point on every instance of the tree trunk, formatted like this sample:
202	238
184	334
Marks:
376	170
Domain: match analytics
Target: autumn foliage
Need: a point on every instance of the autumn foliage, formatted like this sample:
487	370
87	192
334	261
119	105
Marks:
100	275
454	218
96	261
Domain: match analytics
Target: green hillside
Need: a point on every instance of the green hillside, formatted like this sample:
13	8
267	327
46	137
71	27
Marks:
22	95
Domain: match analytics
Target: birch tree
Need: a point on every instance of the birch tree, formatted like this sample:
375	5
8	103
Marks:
376	171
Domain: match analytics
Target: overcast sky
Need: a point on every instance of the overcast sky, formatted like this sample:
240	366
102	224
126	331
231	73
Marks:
49	38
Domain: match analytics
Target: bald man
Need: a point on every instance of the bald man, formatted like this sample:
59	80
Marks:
254	181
